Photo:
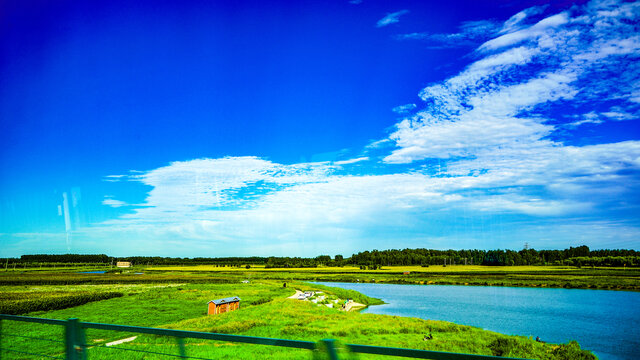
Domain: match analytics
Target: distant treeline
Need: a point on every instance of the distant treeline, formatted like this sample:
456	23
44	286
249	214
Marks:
578	256
67	258
573	256
138	260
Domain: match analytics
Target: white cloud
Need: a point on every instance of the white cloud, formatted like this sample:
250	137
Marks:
113	202
391	18
470	33
484	106
515	22
619	115
403	109
113	178
615	113
352	161
378	144
535	31
588	118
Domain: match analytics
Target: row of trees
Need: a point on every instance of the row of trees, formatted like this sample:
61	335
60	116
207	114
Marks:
156	260
575	256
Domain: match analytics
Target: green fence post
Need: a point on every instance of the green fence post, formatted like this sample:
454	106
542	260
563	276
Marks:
183	352
331	348
74	340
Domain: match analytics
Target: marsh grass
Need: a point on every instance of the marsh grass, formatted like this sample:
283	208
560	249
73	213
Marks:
264	312
300	320
383	269
523	276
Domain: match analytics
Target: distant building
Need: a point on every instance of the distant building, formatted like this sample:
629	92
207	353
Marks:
223	305
123	264
406	273
245	281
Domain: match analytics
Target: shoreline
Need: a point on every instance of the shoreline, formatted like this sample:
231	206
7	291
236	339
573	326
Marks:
599	347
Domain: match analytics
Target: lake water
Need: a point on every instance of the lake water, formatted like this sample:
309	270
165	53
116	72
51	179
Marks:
605	322
91	272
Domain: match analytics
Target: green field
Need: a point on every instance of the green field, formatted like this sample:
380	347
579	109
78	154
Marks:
177	300
529	276
384	269
609	278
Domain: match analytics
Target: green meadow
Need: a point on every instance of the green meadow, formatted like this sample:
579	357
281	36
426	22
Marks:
607	278
179	301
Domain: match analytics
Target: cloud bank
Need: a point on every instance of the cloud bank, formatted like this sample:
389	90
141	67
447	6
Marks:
391	18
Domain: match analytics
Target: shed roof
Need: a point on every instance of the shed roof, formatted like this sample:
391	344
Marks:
226	300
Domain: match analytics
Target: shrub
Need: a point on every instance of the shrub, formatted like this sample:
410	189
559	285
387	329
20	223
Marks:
22	303
572	351
502	346
259	301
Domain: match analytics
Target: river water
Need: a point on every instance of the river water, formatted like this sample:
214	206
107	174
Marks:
605	322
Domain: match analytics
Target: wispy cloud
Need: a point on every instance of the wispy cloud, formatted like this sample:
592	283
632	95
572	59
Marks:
490	104
538	31
614	114
109	201
391	18
588	118
471	33
113	178
352	161
403	109
517	21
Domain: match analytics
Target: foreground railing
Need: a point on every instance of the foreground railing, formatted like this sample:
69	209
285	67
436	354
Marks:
76	347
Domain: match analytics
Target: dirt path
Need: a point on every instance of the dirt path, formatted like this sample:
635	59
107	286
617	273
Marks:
121	341
354	306
296	295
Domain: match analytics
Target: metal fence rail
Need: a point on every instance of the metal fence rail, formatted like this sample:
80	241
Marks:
76	347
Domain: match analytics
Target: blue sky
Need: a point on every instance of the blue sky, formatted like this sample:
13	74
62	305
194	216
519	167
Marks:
307	128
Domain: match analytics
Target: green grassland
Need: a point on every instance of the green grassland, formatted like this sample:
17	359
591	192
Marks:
528	276
384	269
178	301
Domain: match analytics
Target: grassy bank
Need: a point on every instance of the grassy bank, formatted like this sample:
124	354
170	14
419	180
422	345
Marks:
264	311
